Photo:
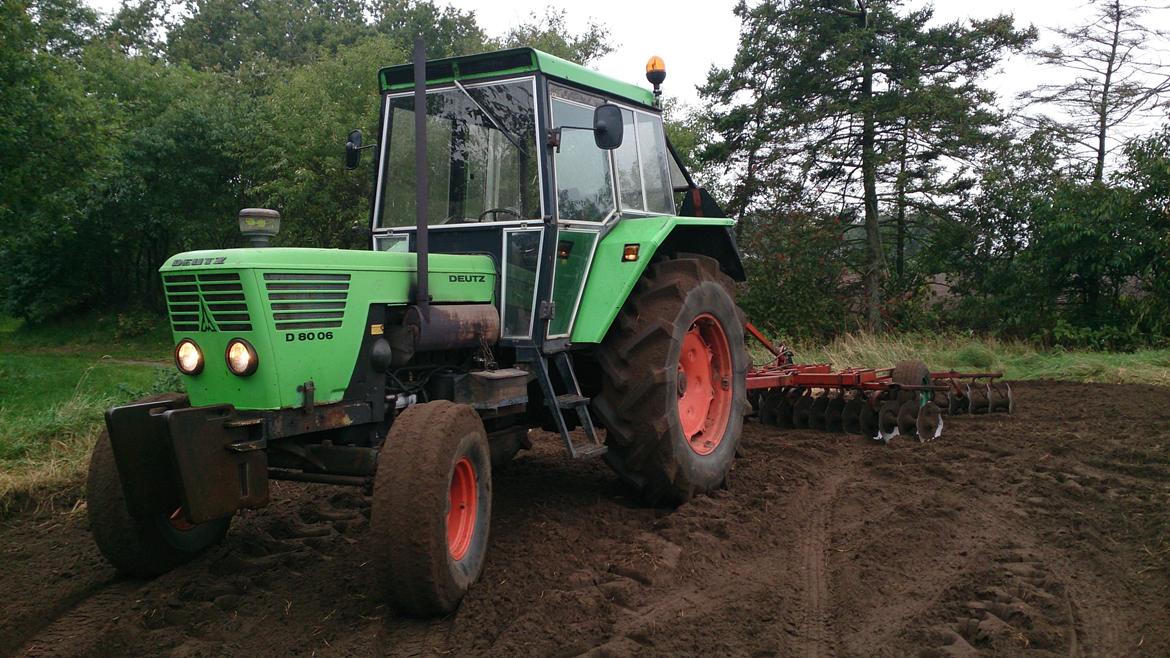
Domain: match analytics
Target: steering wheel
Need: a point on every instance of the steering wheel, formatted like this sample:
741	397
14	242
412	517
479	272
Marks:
496	211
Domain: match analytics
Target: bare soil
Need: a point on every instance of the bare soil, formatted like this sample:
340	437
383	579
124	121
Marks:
1040	534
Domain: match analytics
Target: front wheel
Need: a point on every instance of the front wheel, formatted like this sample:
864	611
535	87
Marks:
432	507
674	390
141	547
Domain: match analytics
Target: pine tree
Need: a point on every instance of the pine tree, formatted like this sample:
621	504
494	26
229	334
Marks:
1119	78
824	90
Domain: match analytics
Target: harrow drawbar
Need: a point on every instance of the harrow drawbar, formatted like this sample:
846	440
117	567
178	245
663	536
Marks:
905	400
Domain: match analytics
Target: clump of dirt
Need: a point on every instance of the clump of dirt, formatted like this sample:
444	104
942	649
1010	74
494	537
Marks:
1039	534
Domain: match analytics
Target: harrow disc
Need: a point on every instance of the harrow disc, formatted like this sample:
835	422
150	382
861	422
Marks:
908	419
929	422
887	420
833	414
941	399
867	420
784	409
1001	398
956	403
978	395
851	415
771	402
816	414
800	411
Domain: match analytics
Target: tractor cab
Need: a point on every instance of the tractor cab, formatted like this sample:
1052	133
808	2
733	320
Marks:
530	159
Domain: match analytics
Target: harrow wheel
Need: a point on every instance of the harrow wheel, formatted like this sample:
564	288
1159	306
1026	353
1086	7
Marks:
908	418
816	414
801	411
929	423
834	414
851	415
887	421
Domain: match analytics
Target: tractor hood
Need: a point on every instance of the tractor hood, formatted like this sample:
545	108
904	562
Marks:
303	310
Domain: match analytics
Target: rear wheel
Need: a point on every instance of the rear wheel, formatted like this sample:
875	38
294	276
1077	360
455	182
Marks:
432	507
674	389
142	547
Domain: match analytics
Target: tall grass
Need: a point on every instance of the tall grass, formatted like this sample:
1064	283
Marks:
51	412
45	453
1017	360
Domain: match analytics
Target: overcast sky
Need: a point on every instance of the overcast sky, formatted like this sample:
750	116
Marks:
694	36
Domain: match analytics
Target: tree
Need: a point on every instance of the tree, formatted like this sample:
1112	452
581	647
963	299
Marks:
223	34
1118	78
551	34
821	90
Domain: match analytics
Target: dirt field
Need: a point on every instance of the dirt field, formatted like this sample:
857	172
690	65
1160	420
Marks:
1041	534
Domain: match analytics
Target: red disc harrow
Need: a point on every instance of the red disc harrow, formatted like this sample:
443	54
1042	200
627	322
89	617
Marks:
907	399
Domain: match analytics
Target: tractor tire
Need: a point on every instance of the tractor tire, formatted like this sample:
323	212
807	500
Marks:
140	547
431	507
663	442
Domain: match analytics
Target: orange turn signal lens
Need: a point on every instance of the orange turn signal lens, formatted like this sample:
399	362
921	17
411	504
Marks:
630	253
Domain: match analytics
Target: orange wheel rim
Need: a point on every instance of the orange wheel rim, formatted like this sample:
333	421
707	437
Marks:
704	384
463	495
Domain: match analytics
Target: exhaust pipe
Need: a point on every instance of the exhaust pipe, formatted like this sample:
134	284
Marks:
422	297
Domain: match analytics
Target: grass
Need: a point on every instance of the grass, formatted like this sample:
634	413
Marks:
53	392
1017	360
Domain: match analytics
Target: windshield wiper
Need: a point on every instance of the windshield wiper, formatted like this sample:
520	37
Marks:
491	117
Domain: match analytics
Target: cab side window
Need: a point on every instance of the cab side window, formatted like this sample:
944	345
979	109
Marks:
642	165
584	183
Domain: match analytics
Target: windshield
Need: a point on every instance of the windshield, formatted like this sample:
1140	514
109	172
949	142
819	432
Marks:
481	156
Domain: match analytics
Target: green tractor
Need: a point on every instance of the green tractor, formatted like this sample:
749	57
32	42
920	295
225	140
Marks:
540	258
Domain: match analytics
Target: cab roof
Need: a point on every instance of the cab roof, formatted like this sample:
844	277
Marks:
509	62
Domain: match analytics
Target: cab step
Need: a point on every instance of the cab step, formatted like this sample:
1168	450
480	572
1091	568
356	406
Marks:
571	400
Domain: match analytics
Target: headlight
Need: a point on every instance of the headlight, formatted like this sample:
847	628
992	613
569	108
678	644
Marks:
241	357
188	357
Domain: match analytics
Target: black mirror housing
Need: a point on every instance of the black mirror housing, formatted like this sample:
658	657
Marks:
353	150
607	126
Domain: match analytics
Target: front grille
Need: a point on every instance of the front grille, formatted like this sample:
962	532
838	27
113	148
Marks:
207	301
306	301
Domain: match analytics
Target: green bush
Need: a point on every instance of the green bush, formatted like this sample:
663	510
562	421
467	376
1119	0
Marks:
975	355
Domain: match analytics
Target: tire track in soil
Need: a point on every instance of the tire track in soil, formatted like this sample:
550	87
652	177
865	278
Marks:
63	608
813	636
791	576
87	617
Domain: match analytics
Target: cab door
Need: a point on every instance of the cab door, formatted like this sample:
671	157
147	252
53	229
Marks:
585	199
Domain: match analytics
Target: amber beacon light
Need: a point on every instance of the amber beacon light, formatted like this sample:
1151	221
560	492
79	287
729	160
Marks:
655	74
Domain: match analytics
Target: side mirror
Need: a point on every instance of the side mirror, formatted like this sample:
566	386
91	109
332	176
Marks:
607	126
353	150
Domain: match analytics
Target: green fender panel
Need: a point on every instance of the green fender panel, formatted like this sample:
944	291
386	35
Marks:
611	279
